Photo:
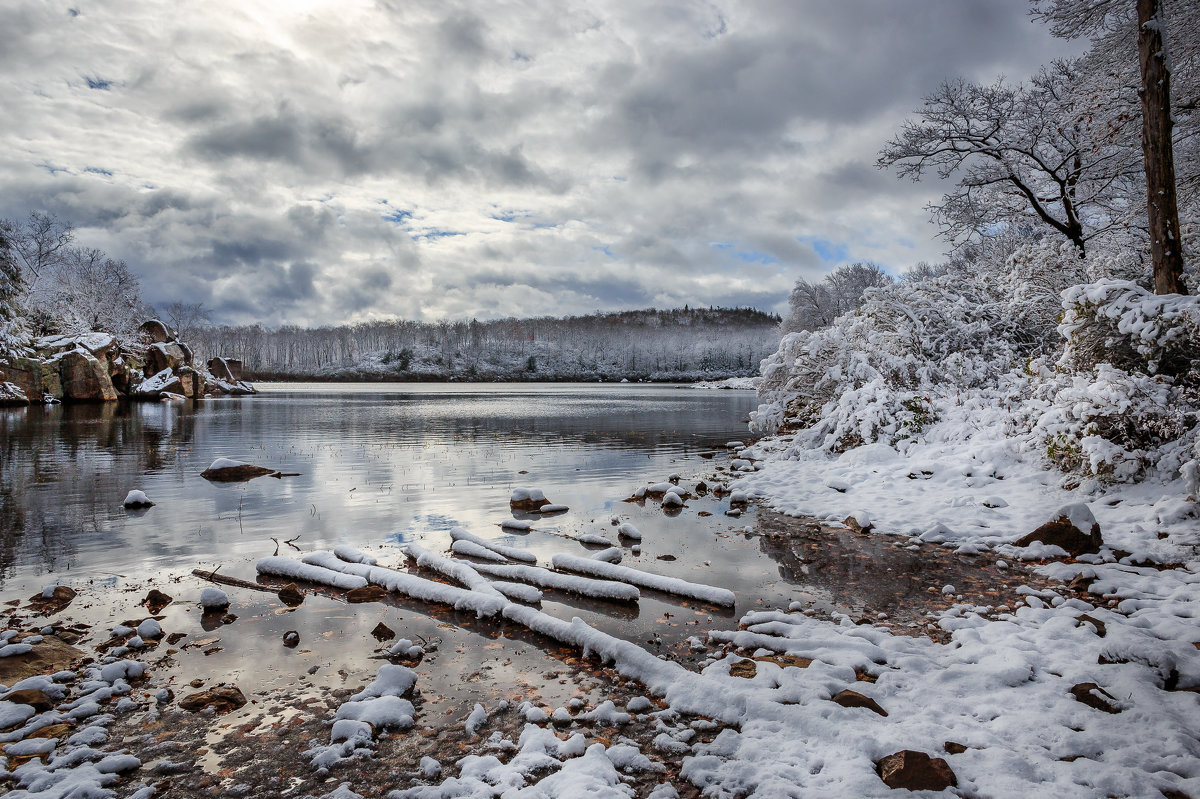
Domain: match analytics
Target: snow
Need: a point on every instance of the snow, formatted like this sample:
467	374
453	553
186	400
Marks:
472	550
279	566
379	706
591	539
610	555
213	599
544	578
458	571
137	499
672	500
524	525
475	720
222	463
150	628
410	585
518	591
627	530
552	508
512	553
352	555
526	495
669	585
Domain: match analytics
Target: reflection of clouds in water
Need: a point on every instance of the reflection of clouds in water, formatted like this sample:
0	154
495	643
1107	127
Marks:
372	466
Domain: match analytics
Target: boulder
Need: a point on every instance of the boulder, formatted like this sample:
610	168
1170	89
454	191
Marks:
1072	527
164	382
168	355
219	368
915	771
223	699
12	394
35	377
154	332
192	381
85	378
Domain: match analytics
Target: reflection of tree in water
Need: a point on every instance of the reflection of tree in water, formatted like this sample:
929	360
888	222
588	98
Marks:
88	450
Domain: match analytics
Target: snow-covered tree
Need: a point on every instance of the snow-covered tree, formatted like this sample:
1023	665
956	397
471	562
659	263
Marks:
813	305
1019	152
1151	50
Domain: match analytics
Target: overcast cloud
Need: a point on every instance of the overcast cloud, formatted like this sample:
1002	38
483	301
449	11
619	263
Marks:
320	161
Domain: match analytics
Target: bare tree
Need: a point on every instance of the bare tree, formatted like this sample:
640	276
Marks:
185	317
1016	149
94	292
40	243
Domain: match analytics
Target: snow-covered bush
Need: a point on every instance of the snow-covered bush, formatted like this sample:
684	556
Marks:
1125	393
874	373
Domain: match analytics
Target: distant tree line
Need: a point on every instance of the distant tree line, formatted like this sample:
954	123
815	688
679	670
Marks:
646	344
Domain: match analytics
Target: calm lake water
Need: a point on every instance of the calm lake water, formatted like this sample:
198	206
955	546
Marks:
377	466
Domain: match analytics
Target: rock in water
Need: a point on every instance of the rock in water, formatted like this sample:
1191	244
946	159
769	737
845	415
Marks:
527	499
368	593
223	699
156	600
382	632
290	595
916	771
1073	527
226	470
137	499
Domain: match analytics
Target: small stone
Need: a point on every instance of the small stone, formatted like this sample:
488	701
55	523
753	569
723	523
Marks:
156	600
382	632
33	697
1101	629
848	698
1094	696
51	731
744	668
290	595
916	771
954	748
196	683
291	639
368	593
223	699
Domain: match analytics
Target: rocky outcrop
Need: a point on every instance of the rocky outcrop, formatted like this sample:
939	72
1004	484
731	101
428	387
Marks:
95	367
85	378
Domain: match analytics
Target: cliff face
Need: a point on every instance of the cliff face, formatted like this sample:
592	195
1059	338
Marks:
95	368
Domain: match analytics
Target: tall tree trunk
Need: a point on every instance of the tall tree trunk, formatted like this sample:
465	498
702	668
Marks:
1157	153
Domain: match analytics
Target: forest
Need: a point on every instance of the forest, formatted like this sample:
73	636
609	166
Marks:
657	345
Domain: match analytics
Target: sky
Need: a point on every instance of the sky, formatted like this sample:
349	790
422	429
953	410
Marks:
325	161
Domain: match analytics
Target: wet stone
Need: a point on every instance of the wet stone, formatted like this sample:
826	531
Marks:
290	595
383	633
156	600
368	593
223	699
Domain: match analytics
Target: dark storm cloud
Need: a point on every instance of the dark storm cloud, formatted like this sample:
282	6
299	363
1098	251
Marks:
325	160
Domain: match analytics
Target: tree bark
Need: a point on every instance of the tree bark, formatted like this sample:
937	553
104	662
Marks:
1165	249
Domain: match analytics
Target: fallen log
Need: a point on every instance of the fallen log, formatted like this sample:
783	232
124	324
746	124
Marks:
212	576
